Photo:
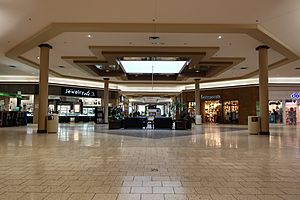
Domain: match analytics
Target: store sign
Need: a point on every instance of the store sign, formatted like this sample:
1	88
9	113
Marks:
295	95
203	97
78	92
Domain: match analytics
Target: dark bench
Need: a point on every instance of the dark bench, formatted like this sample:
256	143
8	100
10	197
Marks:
163	123
135	122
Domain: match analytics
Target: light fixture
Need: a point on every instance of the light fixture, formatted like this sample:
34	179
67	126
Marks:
197	71
220	37
107	70
89	35
38	57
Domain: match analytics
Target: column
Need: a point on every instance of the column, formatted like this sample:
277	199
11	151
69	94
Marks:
35	108
283	113
6	103
197	97
43	87
263	89
106	99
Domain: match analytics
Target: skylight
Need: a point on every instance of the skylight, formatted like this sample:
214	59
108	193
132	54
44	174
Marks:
159	67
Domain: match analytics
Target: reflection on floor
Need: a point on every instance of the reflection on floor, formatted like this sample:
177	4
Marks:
87	161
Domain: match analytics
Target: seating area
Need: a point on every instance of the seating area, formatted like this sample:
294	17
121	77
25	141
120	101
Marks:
163	123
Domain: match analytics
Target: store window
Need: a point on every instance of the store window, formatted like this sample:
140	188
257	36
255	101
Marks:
275	112
213	111
231	111
191	109
292	112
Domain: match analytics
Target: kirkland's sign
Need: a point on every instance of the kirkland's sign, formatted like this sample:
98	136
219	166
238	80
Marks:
295	95
213	97
78	92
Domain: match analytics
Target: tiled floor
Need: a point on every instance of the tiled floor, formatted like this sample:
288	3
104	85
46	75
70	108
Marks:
211	162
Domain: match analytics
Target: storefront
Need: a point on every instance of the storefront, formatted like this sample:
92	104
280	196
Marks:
284	105
226	106
72	104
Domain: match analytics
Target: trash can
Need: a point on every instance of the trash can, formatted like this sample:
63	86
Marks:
253	124
198	119
52	123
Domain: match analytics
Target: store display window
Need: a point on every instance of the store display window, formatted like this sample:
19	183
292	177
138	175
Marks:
275	112
231	111
213	111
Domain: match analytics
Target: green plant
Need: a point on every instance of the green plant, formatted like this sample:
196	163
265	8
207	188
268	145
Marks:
116	114
176	107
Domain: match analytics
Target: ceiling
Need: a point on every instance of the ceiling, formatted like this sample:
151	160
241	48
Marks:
87	33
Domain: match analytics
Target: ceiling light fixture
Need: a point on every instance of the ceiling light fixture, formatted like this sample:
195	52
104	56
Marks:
197	71
38	57
220	37
89	35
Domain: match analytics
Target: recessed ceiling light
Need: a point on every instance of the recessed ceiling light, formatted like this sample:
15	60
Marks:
38	57
197	71
220	37
244	68
89	35
153	38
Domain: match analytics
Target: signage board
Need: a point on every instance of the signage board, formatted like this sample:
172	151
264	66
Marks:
295	95
211	97
78	92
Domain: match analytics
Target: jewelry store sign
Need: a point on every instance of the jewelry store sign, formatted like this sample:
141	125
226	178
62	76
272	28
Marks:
78	92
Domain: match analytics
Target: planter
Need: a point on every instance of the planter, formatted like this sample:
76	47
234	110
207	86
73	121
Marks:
115	124
180	125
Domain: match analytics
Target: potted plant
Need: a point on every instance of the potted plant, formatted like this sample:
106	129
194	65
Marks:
180	115
116	119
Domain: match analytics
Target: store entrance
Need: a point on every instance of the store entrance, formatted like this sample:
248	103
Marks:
213	111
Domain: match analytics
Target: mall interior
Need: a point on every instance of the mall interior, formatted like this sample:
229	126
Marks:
150	100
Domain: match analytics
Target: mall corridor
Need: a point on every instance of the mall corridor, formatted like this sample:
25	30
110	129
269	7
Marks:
87	161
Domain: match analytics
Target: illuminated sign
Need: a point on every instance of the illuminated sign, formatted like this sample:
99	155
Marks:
78	92
203	97
295	95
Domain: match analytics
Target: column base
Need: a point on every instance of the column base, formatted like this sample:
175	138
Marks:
264	133
42	131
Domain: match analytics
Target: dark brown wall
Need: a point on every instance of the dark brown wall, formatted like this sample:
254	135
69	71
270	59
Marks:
247	97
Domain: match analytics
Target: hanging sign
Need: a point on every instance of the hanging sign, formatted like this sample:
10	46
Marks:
78	92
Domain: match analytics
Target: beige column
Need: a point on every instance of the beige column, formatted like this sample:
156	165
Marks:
263	89
6	103
35	108
43	87
106	99
197	97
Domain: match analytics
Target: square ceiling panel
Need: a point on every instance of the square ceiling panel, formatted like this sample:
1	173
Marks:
148	67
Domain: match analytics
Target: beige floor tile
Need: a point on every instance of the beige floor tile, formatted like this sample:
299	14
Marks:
11	195
290	197
269	197
58	196
81	196
291	190
129	197
153	197
184	190
222	197
105	197
171	183
141	190
246	197
152	183
34	196
176	197
119	190
198	197
206	190
132	183
163	190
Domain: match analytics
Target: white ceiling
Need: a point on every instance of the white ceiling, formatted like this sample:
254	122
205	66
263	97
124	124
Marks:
21	19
